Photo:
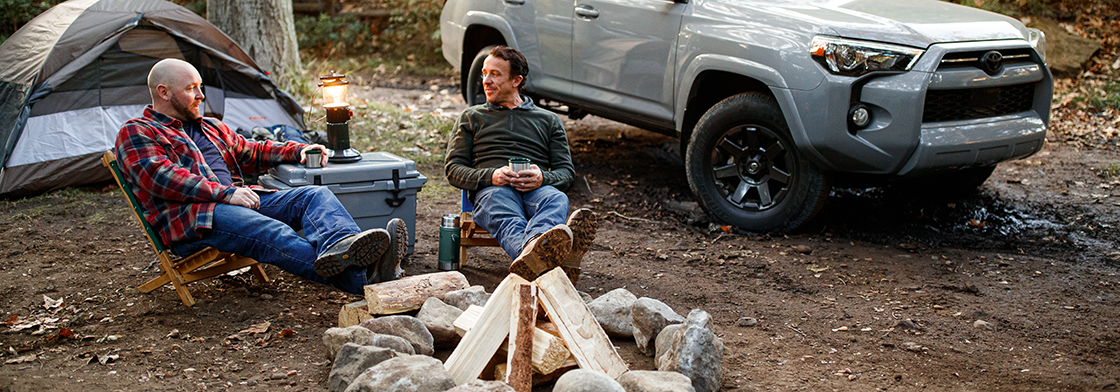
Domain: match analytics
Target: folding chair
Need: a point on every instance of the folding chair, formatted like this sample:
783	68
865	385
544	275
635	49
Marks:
179	271
471	234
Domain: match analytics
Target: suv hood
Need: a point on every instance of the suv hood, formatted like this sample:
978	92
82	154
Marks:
918	23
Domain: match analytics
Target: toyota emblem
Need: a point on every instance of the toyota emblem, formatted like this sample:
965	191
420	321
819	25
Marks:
992	62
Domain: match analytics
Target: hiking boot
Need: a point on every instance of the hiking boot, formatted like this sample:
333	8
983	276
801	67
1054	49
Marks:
358	250
389	266
543	253
583	224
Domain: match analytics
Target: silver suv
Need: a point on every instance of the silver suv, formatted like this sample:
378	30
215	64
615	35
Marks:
775	100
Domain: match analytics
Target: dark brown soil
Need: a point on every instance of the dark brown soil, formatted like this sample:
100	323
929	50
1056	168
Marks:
1015	288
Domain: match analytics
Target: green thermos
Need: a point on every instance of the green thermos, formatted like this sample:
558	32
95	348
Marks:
449	242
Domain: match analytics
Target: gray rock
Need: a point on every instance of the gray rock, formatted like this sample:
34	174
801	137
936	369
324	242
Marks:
395	343
747	321
335	338
352	360
587	298
583	380
612	311
407	327
483	386
409	373
649	316
665	341
1065	53
439	318
695	352
654	381
463	299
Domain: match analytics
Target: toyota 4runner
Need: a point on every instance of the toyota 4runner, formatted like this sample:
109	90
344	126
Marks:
774	99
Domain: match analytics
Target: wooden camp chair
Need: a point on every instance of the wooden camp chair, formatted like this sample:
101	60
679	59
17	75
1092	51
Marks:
471	234
179	271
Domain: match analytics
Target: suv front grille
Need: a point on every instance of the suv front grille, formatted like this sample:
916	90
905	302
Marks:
968	104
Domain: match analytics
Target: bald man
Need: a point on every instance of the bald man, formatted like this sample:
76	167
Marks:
186	172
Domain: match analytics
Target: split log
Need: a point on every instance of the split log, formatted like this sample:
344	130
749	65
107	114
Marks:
353	314
549	352
585	337
405	294
521	327
481	343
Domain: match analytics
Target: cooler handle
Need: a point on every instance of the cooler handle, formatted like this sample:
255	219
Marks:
396	200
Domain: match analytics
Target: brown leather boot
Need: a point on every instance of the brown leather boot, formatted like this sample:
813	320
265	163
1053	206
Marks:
543	253
358	250
583	224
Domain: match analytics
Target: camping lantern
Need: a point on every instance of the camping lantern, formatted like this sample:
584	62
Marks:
336	103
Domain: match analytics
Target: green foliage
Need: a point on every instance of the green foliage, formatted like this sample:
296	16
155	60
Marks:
196	6
414	29
343	35
412	32
1112	171
1108	96
15	13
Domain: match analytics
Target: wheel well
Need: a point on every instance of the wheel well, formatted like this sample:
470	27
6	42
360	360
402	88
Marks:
476	38
709	88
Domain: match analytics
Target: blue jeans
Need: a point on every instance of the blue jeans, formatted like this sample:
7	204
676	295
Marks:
515	217
269	236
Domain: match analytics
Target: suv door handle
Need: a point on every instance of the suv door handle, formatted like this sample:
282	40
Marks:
514	2
587	11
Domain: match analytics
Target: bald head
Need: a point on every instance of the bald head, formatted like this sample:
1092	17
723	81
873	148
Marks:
176	89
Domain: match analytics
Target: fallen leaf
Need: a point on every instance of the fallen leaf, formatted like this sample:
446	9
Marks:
67	333
25	358
286	333
51	303
815	268
104	359
256	328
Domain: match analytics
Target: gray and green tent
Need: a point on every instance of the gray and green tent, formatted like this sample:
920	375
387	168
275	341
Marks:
73	75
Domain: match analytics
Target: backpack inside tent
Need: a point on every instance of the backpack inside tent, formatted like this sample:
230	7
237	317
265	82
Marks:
73	75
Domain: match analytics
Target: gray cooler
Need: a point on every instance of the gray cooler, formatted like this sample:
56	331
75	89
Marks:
380	187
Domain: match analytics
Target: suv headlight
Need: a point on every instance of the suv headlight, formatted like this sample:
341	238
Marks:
855	58
1038	41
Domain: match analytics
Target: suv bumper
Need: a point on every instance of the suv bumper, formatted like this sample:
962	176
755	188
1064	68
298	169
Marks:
942	115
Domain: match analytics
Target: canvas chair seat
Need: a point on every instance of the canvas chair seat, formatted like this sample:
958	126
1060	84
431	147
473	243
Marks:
179	270
471	234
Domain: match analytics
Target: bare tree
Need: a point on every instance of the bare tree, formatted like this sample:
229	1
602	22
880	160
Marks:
265	29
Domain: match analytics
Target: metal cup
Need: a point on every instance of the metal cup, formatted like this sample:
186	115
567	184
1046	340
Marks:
314	159
519	164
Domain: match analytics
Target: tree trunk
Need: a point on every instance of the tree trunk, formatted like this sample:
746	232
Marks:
265	29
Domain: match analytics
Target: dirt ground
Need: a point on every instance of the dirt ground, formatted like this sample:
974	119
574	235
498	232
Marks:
1012	289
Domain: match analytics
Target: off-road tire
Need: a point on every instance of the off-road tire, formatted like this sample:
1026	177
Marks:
744	169
472	84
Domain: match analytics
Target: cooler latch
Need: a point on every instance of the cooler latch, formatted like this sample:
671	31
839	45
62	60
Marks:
396	200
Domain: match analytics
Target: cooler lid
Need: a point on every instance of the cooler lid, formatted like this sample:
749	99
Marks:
374	166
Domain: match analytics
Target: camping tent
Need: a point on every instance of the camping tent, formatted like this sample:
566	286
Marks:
72	76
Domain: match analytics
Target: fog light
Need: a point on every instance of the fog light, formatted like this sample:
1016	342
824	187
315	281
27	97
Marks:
859	116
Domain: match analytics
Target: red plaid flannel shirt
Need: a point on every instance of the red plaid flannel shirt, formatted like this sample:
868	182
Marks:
175	187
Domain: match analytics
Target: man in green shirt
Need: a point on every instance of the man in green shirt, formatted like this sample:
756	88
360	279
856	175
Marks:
525	211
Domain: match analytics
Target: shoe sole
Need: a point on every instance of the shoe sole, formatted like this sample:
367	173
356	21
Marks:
583	226
546	254
390	264
365	250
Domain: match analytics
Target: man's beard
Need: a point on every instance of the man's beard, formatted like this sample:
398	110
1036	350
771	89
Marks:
184	112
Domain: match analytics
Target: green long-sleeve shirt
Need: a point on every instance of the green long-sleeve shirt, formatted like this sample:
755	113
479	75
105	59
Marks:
488	135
